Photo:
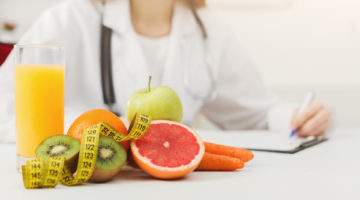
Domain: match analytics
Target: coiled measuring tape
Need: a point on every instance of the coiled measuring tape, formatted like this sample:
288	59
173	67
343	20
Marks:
41	172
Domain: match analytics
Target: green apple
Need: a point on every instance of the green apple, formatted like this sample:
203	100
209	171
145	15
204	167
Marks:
160	102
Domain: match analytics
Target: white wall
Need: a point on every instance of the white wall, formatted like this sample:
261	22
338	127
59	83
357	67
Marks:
21	12
298	45
304	45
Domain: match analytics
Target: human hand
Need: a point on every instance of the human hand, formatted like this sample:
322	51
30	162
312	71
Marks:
313	122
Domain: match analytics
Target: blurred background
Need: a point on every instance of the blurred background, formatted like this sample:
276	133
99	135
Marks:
297	45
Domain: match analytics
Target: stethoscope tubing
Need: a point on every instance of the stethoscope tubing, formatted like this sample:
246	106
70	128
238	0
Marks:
106	68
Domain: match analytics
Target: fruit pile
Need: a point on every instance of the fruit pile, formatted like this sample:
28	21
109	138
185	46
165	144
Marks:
168	150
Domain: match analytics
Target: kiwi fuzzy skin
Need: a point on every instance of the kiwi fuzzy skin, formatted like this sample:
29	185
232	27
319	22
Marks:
72	163
100	176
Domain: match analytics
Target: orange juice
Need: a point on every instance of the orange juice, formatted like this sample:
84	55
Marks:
39	102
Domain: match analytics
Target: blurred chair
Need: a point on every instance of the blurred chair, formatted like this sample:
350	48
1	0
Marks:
4	51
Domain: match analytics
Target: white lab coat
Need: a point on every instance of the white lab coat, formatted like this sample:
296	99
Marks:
241	102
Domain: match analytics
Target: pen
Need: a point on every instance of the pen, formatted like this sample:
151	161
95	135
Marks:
306	103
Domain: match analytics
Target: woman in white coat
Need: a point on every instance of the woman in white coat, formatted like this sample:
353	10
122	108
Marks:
171	40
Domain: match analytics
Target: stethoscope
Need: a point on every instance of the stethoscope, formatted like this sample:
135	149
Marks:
106	69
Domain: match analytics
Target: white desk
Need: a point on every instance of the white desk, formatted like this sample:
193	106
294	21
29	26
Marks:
327	171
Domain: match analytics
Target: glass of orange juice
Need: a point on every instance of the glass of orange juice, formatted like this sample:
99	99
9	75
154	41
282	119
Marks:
39	96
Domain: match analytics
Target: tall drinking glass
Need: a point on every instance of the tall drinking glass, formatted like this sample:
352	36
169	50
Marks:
39	96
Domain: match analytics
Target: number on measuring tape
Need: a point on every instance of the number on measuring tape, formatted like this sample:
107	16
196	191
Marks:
48	172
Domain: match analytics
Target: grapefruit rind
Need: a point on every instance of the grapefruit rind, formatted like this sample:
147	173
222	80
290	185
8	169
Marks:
168	172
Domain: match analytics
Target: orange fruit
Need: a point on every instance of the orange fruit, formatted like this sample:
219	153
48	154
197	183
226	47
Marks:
168	150
93	117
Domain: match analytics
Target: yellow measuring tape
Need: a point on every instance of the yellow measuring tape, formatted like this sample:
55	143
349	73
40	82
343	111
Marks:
40	173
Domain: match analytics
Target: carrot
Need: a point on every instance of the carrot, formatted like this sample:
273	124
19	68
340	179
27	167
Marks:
213	162
235	152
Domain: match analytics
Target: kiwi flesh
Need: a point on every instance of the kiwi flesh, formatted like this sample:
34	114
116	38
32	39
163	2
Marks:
111	157
60	146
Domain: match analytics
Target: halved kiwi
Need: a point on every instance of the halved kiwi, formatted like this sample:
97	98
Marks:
60	146
110	158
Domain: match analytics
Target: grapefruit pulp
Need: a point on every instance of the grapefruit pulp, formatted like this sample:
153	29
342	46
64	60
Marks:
168	150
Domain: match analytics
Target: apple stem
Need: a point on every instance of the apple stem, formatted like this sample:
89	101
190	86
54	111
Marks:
149	84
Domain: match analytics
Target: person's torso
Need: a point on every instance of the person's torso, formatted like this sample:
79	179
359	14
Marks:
183	67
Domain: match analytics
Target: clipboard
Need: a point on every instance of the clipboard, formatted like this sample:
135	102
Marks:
301	147
263	141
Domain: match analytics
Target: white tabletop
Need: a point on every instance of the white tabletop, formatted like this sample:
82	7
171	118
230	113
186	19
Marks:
330	170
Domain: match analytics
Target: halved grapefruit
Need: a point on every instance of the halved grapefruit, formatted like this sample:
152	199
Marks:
168	150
